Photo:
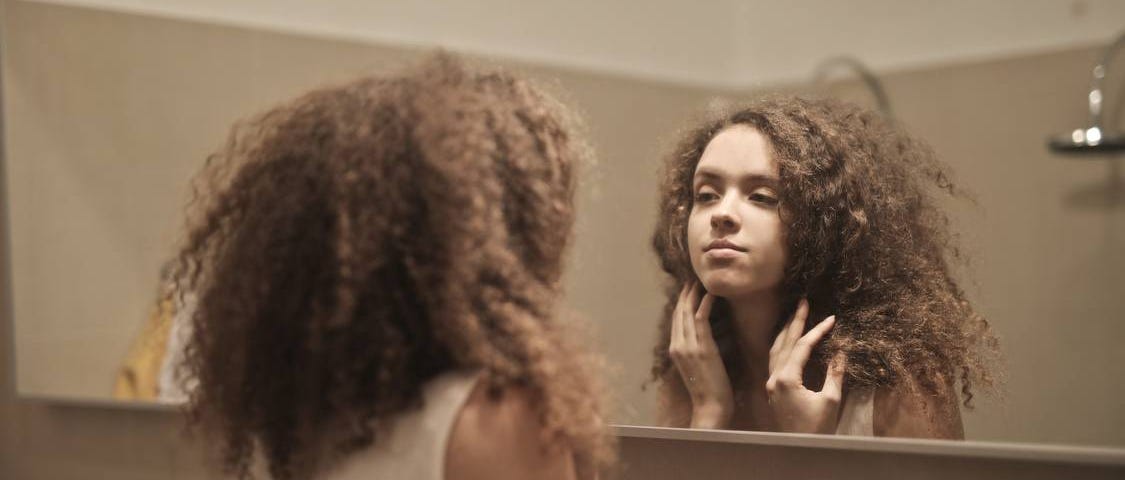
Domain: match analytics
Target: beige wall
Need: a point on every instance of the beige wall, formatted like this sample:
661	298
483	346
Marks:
109	117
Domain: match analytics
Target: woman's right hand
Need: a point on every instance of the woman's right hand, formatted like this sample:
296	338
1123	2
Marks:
693	350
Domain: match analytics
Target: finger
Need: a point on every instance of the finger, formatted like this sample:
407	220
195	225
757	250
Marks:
687	323
703	317
778	346
800	316
795	364
695	295
676	333
793	330
681	300
834	378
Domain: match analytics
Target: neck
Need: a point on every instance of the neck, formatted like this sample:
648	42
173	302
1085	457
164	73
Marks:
755	319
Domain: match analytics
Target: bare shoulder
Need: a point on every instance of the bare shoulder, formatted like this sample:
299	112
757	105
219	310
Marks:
905	412
499	439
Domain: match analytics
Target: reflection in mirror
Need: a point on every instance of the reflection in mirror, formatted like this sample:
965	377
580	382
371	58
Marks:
812	291
110	109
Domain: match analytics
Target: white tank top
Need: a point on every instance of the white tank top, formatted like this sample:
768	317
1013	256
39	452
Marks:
414	445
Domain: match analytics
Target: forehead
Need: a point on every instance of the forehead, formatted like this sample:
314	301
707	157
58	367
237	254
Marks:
738	151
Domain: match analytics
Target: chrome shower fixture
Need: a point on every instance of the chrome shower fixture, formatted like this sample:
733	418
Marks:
1095	139
820	76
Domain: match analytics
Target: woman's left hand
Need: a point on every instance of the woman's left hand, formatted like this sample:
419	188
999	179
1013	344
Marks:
796	408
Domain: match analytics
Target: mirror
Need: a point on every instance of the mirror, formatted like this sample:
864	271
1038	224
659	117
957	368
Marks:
112	106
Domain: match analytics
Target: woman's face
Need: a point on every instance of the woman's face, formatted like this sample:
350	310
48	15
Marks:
734	232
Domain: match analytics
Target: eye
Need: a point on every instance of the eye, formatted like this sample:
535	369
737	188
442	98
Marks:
763	197
706	195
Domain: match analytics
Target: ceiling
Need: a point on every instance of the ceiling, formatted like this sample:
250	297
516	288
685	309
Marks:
709	43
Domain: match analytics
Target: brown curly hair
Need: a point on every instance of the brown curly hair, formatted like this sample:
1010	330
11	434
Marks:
352	244
867	243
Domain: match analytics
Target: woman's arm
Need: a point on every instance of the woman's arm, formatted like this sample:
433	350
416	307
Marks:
499	440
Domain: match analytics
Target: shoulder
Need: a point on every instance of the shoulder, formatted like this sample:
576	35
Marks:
499	438
914	412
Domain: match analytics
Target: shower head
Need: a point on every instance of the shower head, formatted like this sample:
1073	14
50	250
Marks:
1087	141
1095	139
822	71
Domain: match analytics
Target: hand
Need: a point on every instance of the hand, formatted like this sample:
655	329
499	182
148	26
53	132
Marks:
796	408
697	358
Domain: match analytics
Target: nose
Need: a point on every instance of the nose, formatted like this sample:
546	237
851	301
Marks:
724	218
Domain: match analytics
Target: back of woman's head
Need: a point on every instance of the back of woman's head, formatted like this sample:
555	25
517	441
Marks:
356	242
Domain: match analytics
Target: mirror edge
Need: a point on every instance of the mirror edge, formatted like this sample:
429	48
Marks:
1023	452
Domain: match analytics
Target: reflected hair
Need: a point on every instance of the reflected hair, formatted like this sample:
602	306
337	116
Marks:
352	244
867	242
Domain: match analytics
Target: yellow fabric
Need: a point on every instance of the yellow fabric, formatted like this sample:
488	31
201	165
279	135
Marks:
137	379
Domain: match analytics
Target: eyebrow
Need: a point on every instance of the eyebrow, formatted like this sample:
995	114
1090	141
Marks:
709	175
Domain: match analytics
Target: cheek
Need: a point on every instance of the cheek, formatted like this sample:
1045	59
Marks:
771	241
694	224
693	240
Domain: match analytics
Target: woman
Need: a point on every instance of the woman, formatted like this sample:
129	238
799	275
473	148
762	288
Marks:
812	290
376	267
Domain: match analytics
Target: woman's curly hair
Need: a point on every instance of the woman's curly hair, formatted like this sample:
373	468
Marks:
867	243
354	243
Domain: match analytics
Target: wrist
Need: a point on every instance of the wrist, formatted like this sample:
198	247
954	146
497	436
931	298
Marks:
711	415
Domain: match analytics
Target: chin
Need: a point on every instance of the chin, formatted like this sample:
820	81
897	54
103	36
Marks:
726	284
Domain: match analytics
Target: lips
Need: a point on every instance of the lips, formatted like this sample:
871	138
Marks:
722	244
